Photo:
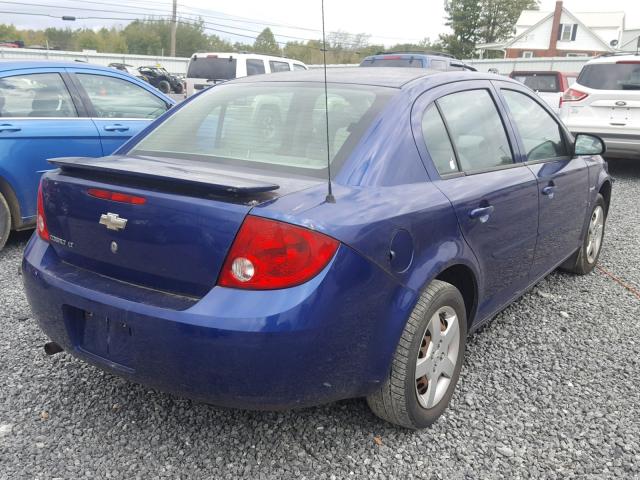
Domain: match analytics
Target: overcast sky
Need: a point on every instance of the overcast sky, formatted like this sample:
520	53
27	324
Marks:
387	22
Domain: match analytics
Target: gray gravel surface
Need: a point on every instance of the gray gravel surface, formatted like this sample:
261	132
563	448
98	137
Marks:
549	390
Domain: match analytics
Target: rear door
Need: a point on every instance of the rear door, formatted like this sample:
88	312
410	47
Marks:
41	117
563	181
119	107
495	198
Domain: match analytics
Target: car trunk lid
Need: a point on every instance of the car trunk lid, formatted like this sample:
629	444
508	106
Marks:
175	239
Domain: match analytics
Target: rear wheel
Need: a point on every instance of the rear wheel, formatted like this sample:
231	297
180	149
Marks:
5	221
164	86
179	88
427	362
585	259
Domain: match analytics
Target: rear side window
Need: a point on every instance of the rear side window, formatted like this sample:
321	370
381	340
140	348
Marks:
278	66
297	66
37	95
438	64
611	76
255	66
539	131
438	143
212	68
539	82
476	130
116	98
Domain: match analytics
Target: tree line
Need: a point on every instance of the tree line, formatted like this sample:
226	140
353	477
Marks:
471	22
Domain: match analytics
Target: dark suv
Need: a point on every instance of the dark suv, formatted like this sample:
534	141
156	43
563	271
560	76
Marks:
162	80
431	60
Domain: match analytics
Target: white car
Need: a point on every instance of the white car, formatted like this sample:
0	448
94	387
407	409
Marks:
207	69
605	101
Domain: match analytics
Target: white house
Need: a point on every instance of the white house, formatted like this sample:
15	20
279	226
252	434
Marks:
562	33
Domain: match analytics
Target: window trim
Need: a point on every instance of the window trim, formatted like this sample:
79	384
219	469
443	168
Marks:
527	54
564	30
517	129
478	171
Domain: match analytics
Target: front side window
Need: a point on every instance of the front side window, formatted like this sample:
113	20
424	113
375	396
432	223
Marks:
116	98
273	126
438	143
278	66
37	95
540	133
476	130
255	66
297	66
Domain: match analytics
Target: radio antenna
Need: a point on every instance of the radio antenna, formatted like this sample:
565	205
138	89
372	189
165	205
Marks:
330	198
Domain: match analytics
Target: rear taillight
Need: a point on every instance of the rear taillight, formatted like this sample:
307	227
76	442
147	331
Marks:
41	220
573	95
268	254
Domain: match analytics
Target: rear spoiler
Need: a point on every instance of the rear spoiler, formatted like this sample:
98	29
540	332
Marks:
179	172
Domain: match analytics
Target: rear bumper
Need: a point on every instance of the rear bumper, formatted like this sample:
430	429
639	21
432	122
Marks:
328	339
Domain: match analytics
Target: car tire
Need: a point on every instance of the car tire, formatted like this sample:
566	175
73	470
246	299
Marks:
5	221
164	86
586	258
412	402
179	89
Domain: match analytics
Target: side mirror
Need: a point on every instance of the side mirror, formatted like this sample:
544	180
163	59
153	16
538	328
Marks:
587	144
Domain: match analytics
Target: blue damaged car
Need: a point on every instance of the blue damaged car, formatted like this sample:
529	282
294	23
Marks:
54	109
207	258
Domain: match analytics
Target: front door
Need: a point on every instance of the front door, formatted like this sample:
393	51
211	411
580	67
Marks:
39	120
563	181
495	198
121	108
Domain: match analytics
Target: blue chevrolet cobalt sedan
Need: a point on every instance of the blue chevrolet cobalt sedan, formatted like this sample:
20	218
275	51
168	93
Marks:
207	257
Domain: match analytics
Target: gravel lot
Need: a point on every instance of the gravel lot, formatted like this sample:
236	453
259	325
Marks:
549	390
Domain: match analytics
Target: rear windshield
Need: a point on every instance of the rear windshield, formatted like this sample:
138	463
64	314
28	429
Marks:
212	68
280	126
611	76
392	62
539	82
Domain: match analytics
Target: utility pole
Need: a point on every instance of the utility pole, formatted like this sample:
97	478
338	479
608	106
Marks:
174	26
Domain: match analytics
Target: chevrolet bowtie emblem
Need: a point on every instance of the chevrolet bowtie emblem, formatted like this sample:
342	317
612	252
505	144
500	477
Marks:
113	221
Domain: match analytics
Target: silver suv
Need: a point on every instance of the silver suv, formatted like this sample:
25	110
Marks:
606	101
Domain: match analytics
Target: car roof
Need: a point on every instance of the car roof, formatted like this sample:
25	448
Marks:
615	58
383	77
6	65
245	55
394	77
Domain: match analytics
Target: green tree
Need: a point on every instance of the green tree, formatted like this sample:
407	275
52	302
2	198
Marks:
480	21
266	43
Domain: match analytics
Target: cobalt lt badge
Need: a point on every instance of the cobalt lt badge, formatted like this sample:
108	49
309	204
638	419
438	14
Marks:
114	247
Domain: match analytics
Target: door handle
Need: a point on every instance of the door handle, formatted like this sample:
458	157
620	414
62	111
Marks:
115	128
549	190
482	213
7	127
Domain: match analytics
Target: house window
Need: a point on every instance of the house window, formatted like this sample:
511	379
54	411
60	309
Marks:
527	54
568	32
577	55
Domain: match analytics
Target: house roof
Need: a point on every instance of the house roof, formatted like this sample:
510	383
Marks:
528	18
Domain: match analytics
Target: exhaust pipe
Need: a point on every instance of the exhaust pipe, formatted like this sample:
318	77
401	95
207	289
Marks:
51	348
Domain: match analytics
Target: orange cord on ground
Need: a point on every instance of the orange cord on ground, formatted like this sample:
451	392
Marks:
619	281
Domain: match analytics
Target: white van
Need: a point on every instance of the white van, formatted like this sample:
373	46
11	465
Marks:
207	69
